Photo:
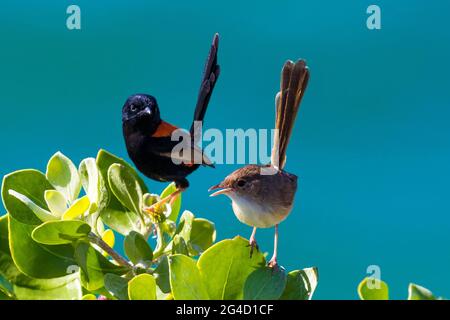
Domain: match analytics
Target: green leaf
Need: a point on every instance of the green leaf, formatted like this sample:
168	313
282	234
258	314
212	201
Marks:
64	288
117	286
162	275
125	187
77	209
63	175
34	259
225	267
203	235
61	232
179	246
106	159
42	214
373	289
176	205
89	296
185	226
142	287
301	284
416	292
30	183
94	266
137	249
7	267
185	279
56	202
90	179
112	212
265	284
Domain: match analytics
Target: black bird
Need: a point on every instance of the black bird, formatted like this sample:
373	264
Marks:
148	137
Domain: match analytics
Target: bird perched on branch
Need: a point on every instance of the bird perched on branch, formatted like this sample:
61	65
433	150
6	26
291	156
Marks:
148	138
263	195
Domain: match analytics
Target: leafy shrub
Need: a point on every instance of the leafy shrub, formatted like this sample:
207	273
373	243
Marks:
57	240
374	289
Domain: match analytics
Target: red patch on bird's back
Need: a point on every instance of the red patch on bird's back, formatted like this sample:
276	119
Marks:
164	129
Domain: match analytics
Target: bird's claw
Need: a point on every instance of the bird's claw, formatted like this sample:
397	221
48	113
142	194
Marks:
253	245
273	264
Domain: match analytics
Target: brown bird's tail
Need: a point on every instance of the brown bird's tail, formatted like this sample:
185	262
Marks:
210	75
294	79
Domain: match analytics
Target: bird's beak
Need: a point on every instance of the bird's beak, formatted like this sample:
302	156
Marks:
147	110
222	190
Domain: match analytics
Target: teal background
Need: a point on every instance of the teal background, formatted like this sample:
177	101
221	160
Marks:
371	144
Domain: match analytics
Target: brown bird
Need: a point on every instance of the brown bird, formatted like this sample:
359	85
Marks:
263	195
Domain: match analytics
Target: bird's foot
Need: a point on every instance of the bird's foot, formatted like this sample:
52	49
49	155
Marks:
253	246
273	264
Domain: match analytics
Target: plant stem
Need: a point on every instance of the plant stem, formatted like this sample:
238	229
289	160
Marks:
104	246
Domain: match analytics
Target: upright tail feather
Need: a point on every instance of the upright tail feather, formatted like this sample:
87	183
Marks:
209	79
294	79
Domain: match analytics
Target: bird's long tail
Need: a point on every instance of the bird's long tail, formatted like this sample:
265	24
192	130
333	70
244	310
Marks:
294	79
209	79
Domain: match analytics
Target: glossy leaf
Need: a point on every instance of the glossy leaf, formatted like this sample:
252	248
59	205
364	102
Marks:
137	249
301	284
117	286
94	266
225	267
125	187
265	284
185	279
142	287
30	256
90	179
416	292
77	209
26	288
61	232
203	235
31	183
63	175
42	214
179	246
373	289
112	212
56	202
64	288
89	296
162	275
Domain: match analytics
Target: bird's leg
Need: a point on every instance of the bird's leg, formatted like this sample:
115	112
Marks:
252	242
171	198
174	198
273	263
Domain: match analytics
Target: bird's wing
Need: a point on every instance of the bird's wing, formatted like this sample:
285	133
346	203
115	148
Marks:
196	156
209	79
165	130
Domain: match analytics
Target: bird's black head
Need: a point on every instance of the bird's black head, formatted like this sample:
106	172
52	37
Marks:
141	112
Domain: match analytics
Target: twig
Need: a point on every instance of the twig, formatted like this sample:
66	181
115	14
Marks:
104	246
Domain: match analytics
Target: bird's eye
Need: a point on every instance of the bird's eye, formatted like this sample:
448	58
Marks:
241	183
133	108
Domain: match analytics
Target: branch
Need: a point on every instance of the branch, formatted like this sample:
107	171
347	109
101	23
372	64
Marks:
104	246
